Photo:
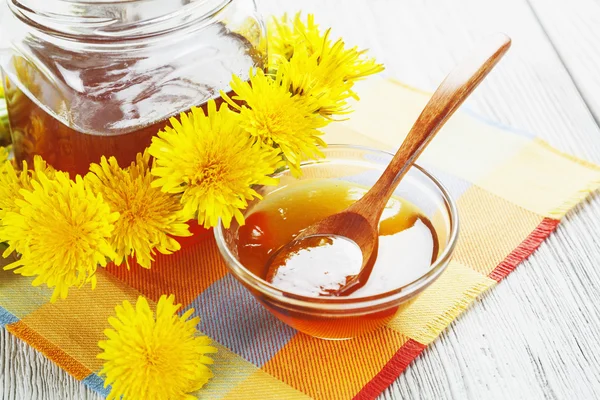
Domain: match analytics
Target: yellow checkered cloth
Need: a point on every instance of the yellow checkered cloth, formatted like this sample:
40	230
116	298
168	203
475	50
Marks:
511	189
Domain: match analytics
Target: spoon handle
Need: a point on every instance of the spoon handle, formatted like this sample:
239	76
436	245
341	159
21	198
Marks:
448	97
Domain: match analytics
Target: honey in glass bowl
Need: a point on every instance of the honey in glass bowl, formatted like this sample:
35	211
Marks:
418	231
408	243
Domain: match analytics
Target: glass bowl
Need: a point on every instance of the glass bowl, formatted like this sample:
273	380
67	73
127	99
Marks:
343	317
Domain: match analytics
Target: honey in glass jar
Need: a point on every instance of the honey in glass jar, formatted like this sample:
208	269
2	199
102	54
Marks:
85	79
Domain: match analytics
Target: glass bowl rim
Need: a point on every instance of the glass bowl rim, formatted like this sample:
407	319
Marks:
342	303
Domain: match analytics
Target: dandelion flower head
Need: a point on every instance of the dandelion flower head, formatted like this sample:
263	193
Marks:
147	217
213	163
275	117
61	232
154	356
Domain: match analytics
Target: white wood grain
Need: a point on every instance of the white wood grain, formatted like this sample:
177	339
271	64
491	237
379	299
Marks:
536	335
26	374
578	42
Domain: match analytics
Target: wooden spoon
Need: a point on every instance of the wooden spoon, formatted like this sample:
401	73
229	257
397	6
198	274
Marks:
360	221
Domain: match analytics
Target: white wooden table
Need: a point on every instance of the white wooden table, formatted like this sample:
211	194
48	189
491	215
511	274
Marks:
537	334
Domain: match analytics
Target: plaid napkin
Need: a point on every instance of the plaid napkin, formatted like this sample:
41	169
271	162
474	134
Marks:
512	189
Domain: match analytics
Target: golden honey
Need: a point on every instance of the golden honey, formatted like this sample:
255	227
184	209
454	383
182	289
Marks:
408	246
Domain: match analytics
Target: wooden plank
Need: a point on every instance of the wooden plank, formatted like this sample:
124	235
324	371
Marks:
534	336
26	374
577	42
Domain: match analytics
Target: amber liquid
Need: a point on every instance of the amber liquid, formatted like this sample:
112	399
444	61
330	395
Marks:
283	214
85	105
36	132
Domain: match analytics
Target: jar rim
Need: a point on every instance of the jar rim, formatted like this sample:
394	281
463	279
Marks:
339	304
110	21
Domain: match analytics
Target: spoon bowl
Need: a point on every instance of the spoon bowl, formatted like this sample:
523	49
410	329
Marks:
349	225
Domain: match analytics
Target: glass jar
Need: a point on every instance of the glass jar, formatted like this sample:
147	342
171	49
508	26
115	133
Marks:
85	79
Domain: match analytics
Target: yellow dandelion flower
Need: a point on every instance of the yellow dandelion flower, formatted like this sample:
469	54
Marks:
41	169
61	232
160	357
147	217
285	35
317	66
324	82
213	163
273	116
12	181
